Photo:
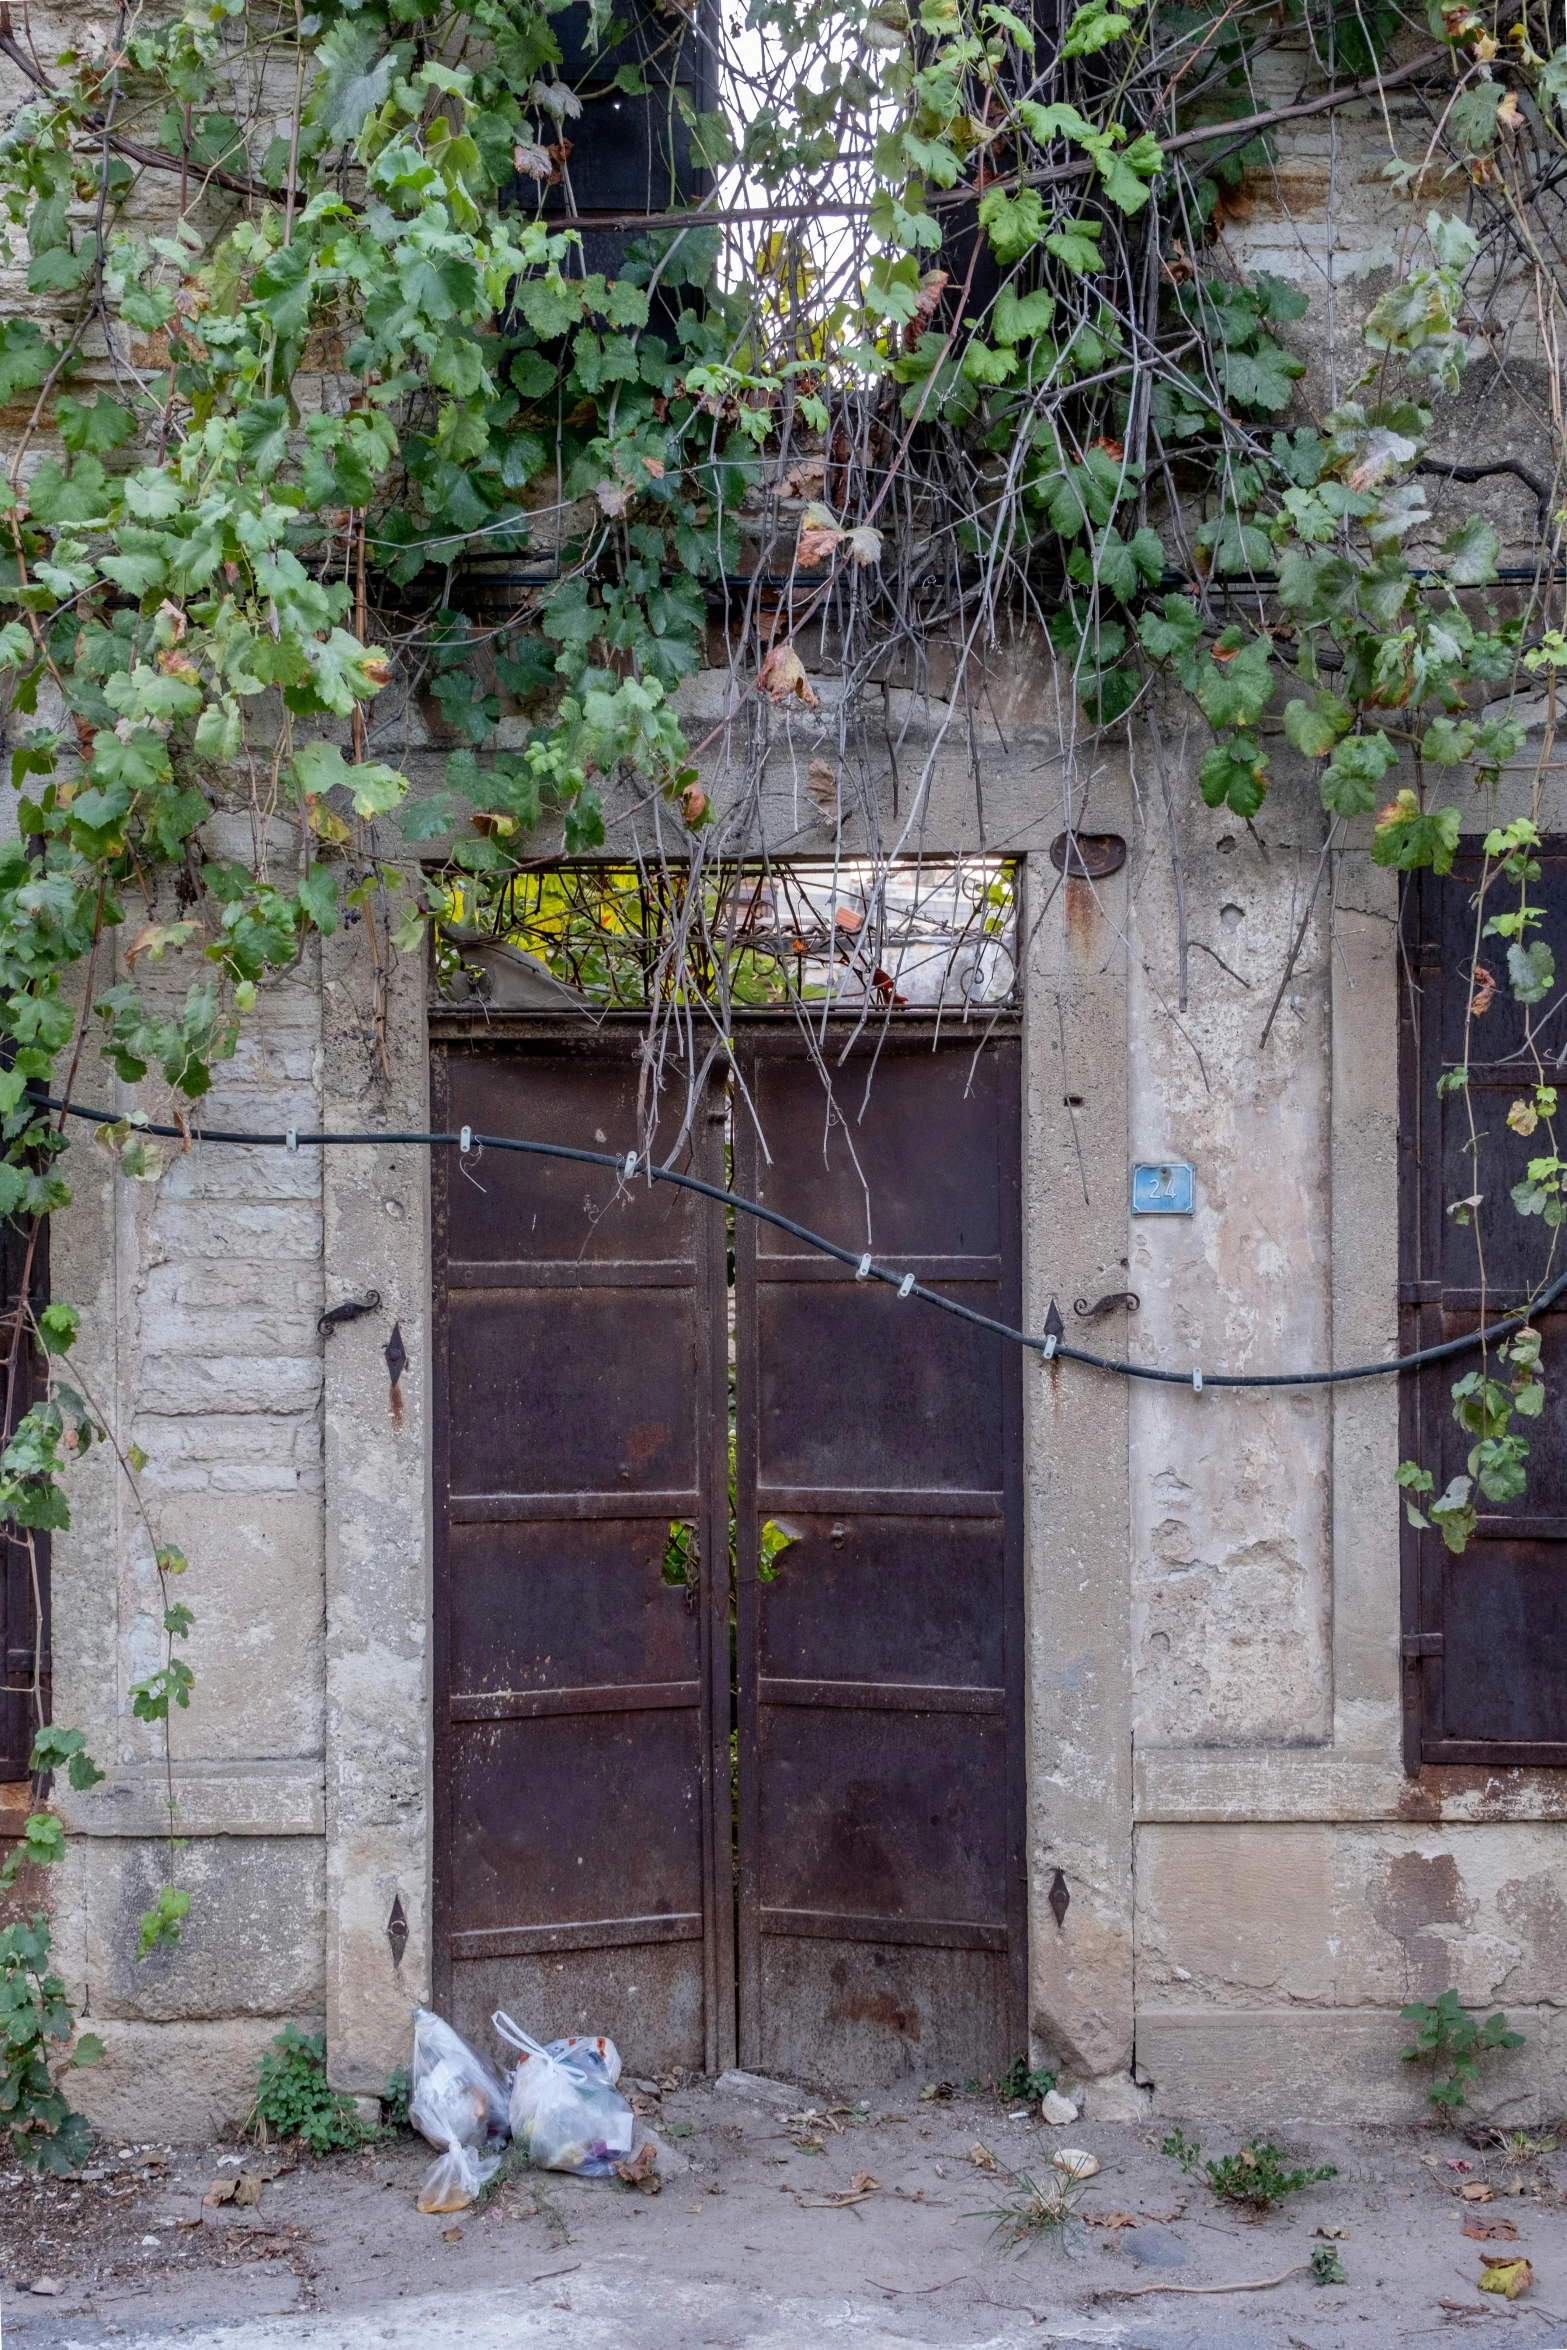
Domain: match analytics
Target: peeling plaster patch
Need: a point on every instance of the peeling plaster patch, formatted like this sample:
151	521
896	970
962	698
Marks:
1421	1889
1534	1908
1421	1901
1466	1792
1228	1637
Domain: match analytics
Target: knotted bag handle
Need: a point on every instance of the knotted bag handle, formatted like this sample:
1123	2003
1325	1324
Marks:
516	2037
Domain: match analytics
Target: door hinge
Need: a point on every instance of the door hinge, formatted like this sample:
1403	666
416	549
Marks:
1421	1644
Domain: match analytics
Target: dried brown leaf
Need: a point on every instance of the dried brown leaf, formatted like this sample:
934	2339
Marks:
805	480
246	2189
783	677
821	783
642	2170
932	286
815	547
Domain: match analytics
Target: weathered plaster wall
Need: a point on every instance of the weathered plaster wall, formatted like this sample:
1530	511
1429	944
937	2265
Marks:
201	1293
1237	1841
1305	1941
1230	1503
378	1791
1293	1888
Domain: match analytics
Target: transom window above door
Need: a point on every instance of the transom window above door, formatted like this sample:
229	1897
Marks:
847	934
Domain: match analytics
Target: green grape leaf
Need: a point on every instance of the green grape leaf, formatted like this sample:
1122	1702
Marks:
1234	774
1315	728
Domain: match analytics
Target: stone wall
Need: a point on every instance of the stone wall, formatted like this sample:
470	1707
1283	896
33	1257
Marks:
200	1295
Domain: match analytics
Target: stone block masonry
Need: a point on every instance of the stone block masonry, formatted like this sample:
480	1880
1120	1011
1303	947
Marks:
200	1295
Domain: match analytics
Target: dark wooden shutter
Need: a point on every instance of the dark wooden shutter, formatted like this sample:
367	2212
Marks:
20	1631
1485	1633
630	152
883	1909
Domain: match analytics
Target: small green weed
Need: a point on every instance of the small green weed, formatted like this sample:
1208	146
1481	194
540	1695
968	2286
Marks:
1326	2266
1034	2212
394	2103
1449	2038
1254	2178
1021	2079
295	2100
513	2161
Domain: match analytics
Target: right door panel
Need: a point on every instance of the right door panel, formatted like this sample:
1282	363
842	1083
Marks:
881	1864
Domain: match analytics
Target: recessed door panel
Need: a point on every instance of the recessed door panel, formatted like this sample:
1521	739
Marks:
879	1570
581	1758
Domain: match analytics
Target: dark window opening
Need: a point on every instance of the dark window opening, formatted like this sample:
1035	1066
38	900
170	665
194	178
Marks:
1484	1631
24	1570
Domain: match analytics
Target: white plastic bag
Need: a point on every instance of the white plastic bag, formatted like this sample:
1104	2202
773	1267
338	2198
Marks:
460	2107
564	2107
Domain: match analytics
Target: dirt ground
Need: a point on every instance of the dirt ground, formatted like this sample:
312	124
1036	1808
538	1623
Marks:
757	2238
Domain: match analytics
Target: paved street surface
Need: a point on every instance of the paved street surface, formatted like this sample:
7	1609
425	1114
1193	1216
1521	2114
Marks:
745	2247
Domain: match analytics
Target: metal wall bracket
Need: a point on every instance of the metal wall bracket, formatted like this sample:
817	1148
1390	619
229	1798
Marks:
349	1311
1059	1898
1106	1304
397	1930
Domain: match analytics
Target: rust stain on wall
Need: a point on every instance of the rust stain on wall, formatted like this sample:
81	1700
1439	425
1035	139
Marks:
1471	1792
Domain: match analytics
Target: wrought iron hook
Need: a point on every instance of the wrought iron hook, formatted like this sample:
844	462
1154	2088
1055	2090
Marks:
349	1311
1106	1304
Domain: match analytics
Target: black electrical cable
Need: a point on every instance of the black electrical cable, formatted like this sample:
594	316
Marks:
632	1163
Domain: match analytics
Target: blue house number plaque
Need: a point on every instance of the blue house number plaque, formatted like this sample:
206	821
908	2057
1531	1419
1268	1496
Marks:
1164	1189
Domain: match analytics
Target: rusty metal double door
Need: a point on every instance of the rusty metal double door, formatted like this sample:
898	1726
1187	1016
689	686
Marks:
728	1608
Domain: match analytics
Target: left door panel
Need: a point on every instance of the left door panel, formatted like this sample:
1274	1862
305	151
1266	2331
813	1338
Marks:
582	1861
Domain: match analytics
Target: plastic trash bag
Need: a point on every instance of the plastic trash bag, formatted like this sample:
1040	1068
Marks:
565	2111
460	2107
